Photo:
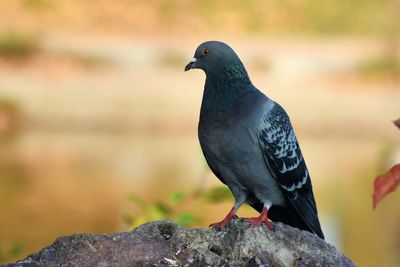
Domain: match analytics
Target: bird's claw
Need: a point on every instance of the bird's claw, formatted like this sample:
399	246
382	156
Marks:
263	218
218	225
259	221
222	224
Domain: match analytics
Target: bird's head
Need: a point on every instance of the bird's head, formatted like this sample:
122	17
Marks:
214	57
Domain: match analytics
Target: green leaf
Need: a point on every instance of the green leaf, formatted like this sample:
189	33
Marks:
16	249
218	194
155	214
163	208
137	201
186	219
128	219
176	198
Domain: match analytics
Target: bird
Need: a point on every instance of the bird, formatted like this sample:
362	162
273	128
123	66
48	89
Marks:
250	145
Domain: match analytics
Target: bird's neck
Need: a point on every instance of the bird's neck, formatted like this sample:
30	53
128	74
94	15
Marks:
233	74
223	92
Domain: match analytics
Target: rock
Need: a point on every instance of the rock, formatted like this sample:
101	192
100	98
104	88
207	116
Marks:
165	243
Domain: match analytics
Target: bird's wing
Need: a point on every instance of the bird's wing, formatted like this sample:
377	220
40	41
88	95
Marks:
284	159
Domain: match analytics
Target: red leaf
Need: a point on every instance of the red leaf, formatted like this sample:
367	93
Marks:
397	123
384	184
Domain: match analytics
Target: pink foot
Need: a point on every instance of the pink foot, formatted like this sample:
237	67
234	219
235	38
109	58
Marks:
263	218
223	223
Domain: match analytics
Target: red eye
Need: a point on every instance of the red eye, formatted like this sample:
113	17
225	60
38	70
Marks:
205	52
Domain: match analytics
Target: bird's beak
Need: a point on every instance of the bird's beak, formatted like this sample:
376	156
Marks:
190	64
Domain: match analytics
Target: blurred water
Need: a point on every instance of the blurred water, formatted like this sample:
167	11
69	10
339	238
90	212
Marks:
89	137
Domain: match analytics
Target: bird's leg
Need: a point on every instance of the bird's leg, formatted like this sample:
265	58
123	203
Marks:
263	218
228	217
240	198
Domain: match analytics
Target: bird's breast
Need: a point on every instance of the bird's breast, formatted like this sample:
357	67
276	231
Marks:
235	153
226	141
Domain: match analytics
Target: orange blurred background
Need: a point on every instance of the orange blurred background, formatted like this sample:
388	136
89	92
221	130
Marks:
96	112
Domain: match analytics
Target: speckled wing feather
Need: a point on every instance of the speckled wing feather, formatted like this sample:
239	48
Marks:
285	161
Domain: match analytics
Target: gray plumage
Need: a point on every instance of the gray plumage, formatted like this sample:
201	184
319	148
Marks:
249	143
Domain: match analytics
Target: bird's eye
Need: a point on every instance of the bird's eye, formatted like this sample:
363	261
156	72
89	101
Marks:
205	52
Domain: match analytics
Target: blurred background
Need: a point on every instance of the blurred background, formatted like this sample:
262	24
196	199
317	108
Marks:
98	121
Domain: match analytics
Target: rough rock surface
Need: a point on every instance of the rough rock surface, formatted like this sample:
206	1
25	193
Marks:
167	244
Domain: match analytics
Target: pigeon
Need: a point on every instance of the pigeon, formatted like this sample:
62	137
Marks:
250	145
